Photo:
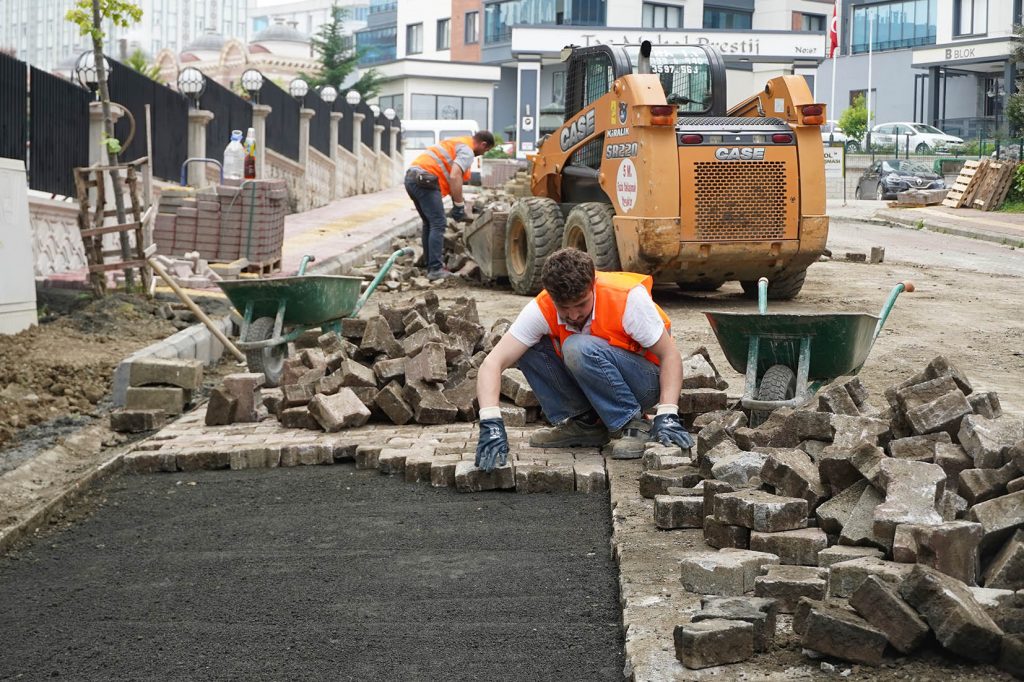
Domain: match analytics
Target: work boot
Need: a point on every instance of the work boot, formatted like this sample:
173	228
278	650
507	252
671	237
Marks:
630	441
443	273
574	433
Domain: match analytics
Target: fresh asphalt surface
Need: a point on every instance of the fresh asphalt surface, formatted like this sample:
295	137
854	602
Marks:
315	573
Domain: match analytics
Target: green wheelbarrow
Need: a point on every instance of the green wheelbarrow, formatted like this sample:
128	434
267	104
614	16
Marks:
786	358
278	311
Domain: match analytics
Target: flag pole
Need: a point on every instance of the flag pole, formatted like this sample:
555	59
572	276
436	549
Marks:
871	40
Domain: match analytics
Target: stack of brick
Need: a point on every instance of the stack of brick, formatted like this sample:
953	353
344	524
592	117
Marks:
157	388
216	222
874	526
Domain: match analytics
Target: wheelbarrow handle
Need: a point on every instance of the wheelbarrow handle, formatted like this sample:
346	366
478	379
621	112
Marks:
376	280
762	295
905	285
306	260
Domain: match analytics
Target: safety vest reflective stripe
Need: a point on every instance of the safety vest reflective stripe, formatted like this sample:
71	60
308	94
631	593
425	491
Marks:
438	160
611	291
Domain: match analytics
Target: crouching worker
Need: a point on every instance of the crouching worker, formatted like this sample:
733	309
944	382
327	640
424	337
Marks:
598	353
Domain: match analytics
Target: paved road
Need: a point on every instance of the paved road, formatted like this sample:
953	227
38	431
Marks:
315	573
923	247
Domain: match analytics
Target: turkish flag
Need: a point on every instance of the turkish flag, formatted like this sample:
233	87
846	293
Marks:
833	31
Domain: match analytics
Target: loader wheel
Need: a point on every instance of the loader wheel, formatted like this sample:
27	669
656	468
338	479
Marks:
589	228
266	361
778	383
780	288
532	233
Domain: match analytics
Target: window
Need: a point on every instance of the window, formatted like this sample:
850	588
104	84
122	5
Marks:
500	17
812	22
724	17
414	38
376	45
662	16
472	31
558	87
447	107
417	139
970	17
444	34
391	102
894	25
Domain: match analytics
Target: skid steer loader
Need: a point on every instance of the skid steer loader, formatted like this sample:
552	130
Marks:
651	173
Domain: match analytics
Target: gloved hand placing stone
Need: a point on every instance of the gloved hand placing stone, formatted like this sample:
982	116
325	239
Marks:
458	212
492	446
668	430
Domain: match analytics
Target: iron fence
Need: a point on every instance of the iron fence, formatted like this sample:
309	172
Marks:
283	121
230	112
320	124
169	118
345	124
13	100
368	123
59	133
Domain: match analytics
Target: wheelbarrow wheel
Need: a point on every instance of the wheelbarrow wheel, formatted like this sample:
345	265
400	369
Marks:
778	383
266	361
782	287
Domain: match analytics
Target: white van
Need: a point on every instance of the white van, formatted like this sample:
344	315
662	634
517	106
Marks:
418	135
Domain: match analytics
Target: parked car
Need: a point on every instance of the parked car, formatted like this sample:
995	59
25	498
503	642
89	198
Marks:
883	179
831	132
919	137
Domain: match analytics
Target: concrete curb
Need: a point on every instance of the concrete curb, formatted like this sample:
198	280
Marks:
343	262
42	516
980	235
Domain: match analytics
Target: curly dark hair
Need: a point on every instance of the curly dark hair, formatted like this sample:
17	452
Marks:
567	275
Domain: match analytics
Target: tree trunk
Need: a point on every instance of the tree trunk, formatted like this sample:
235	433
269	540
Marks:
108	127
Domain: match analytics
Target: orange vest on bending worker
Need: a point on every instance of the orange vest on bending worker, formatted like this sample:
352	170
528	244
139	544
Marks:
438	160
610	293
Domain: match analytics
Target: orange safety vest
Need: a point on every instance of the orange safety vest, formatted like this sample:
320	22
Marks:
610	294
438	160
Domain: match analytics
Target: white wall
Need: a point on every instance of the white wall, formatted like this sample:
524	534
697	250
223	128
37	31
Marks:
630	14
428	14
777	15
1000	21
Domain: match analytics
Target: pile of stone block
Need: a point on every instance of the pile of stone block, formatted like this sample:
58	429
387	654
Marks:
158	388
224	223
873	524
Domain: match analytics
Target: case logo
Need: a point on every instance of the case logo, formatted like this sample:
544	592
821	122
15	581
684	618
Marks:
577	131
740	153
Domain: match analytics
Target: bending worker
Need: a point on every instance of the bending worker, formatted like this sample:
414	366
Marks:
598	353
436	173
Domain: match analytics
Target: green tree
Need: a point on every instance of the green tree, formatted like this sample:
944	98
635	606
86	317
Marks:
1015	102
137	61
338	58
854	121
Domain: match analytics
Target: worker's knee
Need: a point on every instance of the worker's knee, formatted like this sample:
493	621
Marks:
580	350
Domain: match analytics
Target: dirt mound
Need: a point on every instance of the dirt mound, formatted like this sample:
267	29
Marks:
64	366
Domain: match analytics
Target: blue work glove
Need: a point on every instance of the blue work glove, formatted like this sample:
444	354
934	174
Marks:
458	213
492	447
668	430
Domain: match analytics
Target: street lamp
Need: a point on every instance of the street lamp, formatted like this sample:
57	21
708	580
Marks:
252	82
328	93
192	84
353	97
375	109
86	73
298	89
389	114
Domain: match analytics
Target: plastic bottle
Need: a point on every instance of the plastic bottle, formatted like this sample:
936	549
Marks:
250	154
234	156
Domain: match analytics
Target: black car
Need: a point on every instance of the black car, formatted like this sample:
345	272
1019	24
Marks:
883	179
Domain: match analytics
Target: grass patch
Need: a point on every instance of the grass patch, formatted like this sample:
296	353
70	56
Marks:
1014	206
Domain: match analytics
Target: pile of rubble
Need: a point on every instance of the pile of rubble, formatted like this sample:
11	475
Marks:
411	363
872	525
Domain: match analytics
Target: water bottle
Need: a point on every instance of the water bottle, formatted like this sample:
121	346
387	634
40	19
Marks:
250	154
234	156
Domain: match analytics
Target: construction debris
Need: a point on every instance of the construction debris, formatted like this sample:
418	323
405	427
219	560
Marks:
873	525
982	184
157	388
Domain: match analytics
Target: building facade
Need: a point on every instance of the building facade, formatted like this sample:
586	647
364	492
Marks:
508	51
947	63
308	15
36	31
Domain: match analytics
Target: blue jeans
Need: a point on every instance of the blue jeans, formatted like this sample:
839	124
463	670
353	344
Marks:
591	374
429	205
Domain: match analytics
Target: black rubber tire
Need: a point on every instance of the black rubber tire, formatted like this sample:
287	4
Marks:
532	233
880	193
856	193
266	361
782	287
852	147
703	285
922	148
588	227
778	383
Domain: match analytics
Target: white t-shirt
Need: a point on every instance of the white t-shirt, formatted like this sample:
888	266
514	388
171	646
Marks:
640	320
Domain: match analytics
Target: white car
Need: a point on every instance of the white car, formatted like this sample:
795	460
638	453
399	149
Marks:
832	133
918	137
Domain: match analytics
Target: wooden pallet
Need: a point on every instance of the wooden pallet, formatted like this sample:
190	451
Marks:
998	178
965	184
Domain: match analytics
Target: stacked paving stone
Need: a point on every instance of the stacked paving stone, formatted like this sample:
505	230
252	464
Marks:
873	526
216	222
157	388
